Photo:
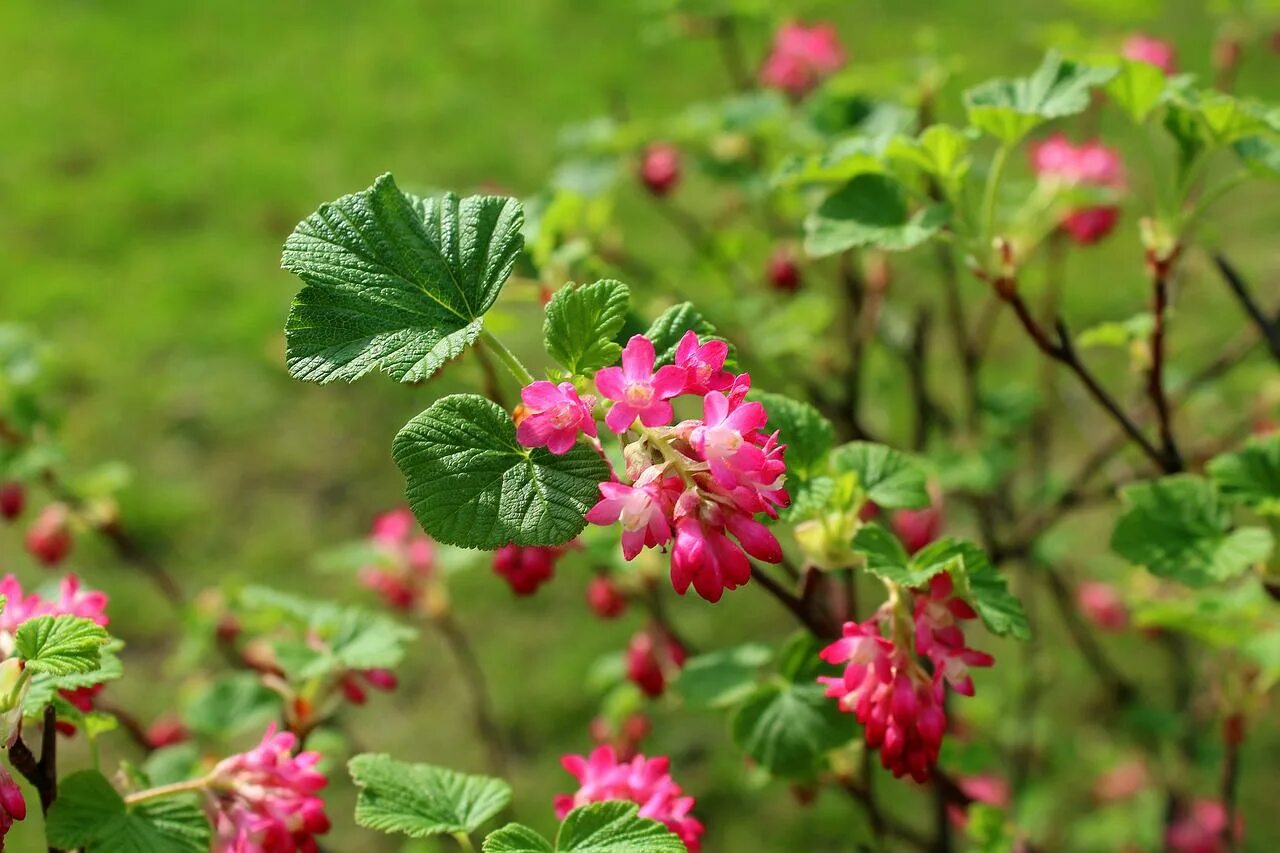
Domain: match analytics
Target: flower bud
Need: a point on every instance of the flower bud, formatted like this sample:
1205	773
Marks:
167	731
660	168
782	271
604	598
12	498
49	538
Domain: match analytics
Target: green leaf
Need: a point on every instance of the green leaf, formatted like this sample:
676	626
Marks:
844	160
982	584
1118	334
1177	528
470	483
891	478
1261	154
230	705
45	685
941	151
1137	88
870	210
420	800
806	433
90	814
614	826
1010	108
61	645
582	323
395	282
670	327
719	679
888	559
1251	476
516	838
788	728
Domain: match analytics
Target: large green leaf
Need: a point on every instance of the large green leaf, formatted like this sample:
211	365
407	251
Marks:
582	324
470	483
614	826
1137	88
1177	528
395	282
61	645
1009	108
516	838
788	728
420	800
891	478
870	210
89	814
718	679
806	433
1251	475
886	558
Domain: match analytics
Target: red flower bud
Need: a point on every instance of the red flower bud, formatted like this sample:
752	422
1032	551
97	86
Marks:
660	168
167	731
917	527
782	270
604	598
49	538
353	691
382	679
12	498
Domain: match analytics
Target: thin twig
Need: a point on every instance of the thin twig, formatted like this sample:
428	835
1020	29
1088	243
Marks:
1270	328
1231	778
474	678
1155	375
1121	689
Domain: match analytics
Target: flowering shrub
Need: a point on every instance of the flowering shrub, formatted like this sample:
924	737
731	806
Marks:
653	440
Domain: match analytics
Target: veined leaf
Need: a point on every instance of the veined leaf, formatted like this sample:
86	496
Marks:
1010	108
395	282
61	645
788	728
671	326
614	826
870	210
420	800
802	428
582	323
1251	475
891	478
470	483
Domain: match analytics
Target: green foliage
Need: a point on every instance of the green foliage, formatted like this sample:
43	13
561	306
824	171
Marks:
891	478
394	281
516	838
230	705
788	727
941	151
870	210
721	678
845	160
1177	527
613	826
1010	108
806	433
44	686
1261	154
582	324
420	800
887	559
90	814
1251	476
470	483
1137	88
61	645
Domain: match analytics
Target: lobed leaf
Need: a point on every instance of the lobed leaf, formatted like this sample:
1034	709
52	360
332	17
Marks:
1251	476
582	324
1009	108
420	800
787	728
806	433
61	645
870	210
614	826
891	478
395	282
470	483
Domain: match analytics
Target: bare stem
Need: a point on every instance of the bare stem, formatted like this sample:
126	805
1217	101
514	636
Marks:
1155	376
1268	326
474	678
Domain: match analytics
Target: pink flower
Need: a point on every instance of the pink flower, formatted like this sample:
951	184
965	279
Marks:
660	168
13	806
1199	828
525	568
639	392
551	417
265	800
1102	605
1089	164
705	557
723	439
644	781
704	363
1153	51
917	527
899	703
643	509
407	559
652	656
801	57
72	600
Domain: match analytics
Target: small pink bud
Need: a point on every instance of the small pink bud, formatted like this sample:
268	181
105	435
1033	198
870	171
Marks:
917	527
49	538
382	679
604	598
352	690
167	731
12	498
782	271
1102	605
660	168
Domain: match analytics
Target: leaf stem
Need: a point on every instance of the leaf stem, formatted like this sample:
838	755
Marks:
508	358
464	841
173	789
998	164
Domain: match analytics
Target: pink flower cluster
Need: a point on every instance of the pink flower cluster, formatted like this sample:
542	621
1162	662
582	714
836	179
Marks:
884	685
406	559
1153	51
13	806
644	781
526	567
72	600
698	482
1090	164
801	57
264	800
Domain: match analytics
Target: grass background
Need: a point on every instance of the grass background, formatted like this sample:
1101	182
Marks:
153	156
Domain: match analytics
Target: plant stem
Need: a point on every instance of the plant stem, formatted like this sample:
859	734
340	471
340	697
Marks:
1155	376
1269	327
464	841
42	773
473	676
735	64
998	164
508	358
173	789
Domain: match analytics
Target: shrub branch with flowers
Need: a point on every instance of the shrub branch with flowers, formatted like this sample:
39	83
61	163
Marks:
643	447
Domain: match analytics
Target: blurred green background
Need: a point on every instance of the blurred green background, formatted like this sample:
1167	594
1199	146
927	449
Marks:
153	157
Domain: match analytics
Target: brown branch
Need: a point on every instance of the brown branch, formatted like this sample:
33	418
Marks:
1155	376
474	679
1269	327
1234	738
882	824
42	773
820	628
